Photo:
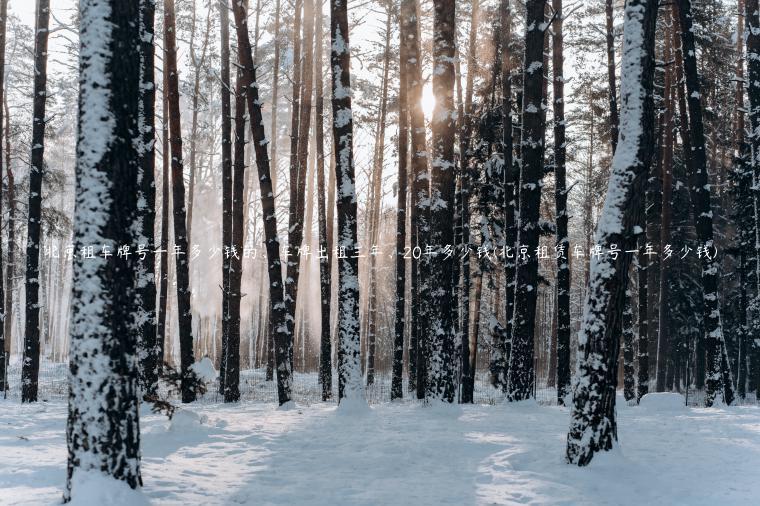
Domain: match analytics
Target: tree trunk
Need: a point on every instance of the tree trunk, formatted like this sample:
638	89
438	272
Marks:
718	376
350	386
593	427
276	293
103	432
163	297
629	384
178	201
31	365
560	197
3	310
325	285
441	335
521	373
397	391
611	79
148	347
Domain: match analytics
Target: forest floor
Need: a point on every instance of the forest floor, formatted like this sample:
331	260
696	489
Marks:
404	453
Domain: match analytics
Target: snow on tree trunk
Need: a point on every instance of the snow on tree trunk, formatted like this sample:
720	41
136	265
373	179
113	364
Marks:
31	366
276	291
146	207
521	373
3	336
629	383
182	262
350	386
593	426
103	433
718	380
442	372
163	297
560	197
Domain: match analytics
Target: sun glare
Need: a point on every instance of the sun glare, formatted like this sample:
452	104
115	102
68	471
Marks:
428	101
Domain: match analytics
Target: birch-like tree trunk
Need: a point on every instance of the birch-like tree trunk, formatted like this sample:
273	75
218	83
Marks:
3	310
103	432
593	426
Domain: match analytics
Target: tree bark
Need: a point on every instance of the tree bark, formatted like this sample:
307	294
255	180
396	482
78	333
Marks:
593	427
103	431
178	200
4	309
163	297
148	347
611	78
31	365
718	376
276	293
350	386
521	373
560	197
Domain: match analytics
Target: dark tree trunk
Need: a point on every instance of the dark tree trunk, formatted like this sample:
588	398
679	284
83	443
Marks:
226	89
3	310
593	427
629	384
442	379
350	386
10	266
521	373
276	292
611	79
718	376
418	219
232	352
397	391
297	180
31	366
148	347
325	285
178	201
103	431
163	297
560	197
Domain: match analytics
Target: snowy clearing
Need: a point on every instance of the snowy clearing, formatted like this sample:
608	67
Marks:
253	453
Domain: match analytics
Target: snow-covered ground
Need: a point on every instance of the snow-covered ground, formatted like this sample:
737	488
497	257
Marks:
254	453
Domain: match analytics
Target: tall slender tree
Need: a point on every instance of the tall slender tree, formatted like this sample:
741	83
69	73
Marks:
31	366
3	310
560	197
103	432
274	269
593	426
719	380
181	251
350	386
521	373
148	345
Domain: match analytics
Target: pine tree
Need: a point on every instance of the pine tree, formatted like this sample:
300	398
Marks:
31	366
103	432
178	201
560	197
3	310
441	384
148	346
226	90
349	360
593	427
521	373
719	379
276	290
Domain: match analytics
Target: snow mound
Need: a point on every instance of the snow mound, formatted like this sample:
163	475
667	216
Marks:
184	419
353	407
663	401
204	369
93	487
